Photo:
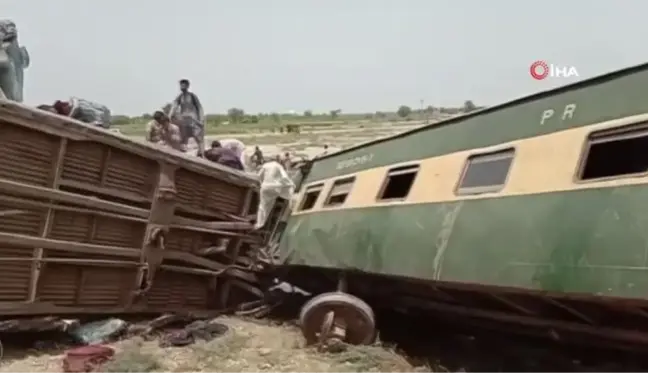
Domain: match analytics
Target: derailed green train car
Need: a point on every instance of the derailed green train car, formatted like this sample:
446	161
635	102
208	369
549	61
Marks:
532	213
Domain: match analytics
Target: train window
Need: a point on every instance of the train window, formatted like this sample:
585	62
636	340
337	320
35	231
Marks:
310	197
485	173
398	183
615	153
339	191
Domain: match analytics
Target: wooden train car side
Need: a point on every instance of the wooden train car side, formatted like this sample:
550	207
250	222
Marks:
92	222
502	214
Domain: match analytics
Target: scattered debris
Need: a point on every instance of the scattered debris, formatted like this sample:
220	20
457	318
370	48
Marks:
99	331
204	330
37	324
146	328
86	358
242	345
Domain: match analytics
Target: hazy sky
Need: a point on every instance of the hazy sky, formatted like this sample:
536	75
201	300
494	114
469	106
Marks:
279	55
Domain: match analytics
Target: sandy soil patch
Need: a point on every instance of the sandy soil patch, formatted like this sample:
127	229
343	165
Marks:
248	346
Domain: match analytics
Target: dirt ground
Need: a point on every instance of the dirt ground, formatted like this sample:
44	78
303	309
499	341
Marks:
311	143
248	346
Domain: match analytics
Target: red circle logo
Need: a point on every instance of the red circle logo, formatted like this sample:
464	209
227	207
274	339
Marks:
539	70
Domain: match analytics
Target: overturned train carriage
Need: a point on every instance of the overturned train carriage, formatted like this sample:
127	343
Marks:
529	217
92	222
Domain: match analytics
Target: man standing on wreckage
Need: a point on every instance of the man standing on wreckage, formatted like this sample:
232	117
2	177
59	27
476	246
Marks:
187	112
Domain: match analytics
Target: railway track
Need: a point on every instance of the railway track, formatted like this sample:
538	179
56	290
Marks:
464	346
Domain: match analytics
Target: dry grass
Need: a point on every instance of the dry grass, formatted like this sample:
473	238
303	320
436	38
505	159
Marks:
248	346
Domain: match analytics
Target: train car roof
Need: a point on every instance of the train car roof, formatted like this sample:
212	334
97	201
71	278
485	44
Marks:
525	99
50	123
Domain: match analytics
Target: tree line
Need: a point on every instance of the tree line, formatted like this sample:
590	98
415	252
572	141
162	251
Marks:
239	116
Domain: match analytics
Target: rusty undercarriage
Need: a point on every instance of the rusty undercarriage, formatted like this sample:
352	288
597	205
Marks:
92	222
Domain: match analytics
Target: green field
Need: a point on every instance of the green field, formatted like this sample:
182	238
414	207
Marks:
250	124
138	128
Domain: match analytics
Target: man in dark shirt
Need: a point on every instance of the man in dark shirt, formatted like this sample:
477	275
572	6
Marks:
257	157
224	156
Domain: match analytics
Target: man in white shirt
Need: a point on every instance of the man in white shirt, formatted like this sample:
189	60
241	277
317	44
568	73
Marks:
275	182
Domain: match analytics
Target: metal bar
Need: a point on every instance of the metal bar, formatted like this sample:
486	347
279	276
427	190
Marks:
187	223
491	156
21	240
49	219
105	191
38	192
569	310
71	261
233	252
314	188
586	330
403	171
513	305
206	230
6	213
38	204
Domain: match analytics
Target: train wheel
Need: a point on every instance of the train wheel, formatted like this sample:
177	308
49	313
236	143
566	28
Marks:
339	316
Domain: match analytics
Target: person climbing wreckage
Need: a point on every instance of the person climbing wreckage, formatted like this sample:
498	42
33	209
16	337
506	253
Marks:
237	146
84	110
187	112
224	156
162	131
14	59
275	183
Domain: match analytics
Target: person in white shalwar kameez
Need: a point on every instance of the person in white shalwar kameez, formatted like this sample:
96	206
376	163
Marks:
275	182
